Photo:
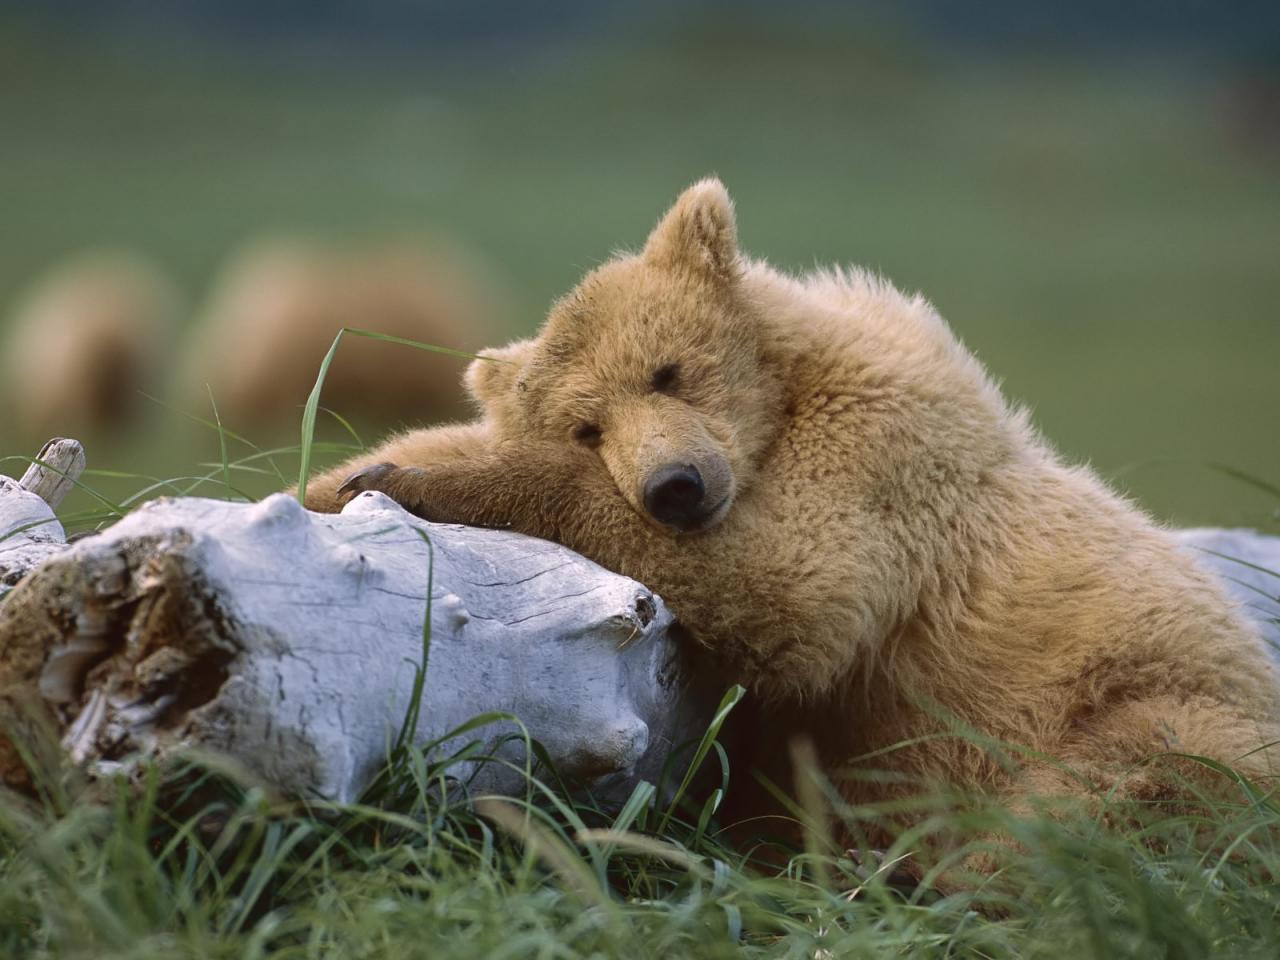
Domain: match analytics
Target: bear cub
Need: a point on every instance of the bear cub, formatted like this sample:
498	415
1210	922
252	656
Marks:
833	496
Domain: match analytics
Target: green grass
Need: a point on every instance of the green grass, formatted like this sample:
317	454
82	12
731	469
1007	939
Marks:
191	862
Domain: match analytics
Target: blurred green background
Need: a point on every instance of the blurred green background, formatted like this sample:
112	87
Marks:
1091	196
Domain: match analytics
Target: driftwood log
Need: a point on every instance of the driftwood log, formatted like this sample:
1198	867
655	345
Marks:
29	530
288	640
1248	564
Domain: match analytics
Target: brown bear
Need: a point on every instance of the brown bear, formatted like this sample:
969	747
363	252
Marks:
275	310
834	497
83	341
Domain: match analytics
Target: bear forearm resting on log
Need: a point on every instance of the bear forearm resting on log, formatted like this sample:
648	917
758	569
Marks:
837	502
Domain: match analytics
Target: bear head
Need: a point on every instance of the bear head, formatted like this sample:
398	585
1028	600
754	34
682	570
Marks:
651	369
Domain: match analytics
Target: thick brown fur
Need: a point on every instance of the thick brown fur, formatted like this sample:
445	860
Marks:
901	557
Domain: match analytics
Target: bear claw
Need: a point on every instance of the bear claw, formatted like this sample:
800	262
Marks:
366	479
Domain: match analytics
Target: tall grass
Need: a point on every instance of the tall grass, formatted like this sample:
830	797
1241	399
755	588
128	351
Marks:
191	862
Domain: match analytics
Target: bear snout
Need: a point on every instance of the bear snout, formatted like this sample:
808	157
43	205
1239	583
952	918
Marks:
675	495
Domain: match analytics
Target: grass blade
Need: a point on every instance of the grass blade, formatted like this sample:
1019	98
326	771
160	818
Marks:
730	700
312	405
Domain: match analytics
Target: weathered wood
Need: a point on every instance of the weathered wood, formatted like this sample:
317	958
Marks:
287	640
57	468
29	533
1248	563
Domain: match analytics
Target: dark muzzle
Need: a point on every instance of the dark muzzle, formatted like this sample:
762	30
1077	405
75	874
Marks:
674	494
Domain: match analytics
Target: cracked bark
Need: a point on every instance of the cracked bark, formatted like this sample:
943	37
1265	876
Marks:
288	641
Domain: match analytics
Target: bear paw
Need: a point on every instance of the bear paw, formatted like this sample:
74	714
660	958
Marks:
370	478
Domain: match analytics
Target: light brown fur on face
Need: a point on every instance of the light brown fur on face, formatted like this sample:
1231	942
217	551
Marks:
897	555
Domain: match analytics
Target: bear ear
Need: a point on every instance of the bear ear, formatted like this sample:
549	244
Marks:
699	232
494	371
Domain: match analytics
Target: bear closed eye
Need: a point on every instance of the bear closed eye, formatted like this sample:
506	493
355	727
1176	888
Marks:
666	377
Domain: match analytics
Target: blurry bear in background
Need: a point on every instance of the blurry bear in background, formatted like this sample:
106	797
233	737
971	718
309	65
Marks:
83	341
279	303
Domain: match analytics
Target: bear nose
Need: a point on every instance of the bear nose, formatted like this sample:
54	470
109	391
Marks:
673	495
